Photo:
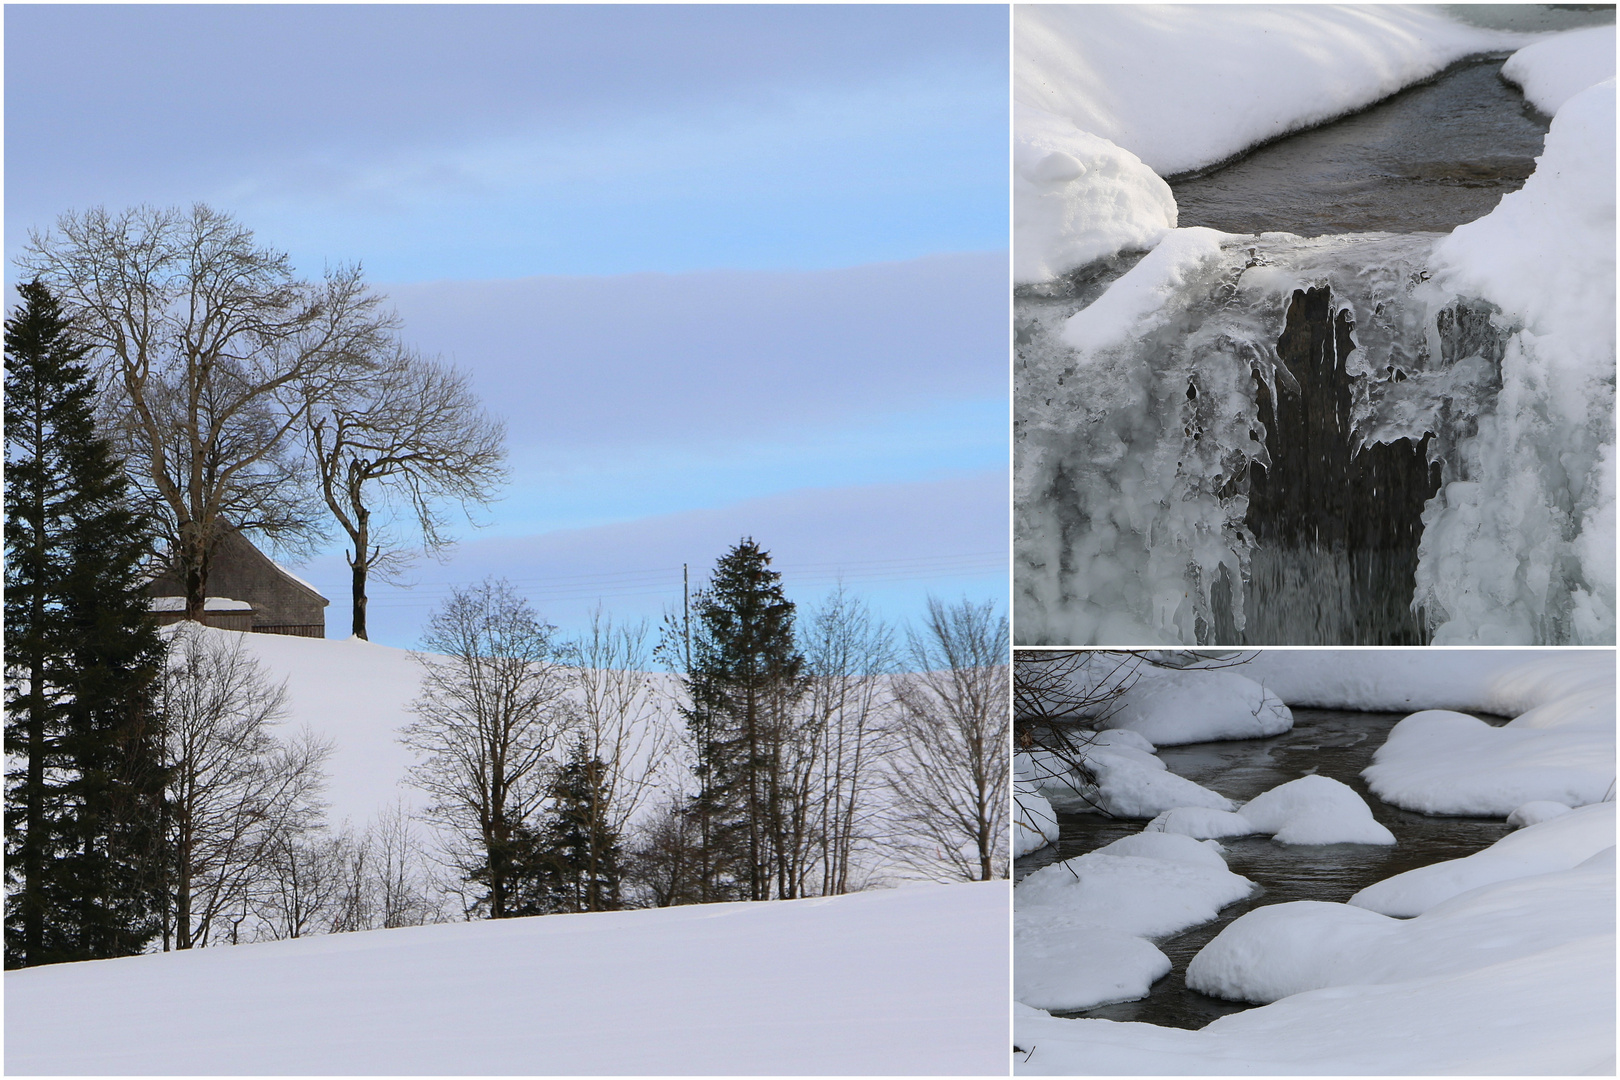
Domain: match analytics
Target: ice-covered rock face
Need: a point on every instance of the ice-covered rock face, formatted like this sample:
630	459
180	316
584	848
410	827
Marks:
1238	415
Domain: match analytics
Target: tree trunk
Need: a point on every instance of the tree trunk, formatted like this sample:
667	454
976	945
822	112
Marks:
194	552
361	565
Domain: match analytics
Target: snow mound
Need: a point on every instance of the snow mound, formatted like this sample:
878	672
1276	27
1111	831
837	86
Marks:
1185	87
1551	72
1175	707
1534	813
1200	823
1315	810
1078	198
1551	1013
1129	782
1520	548
1084	967
1441	762
1284	949
1071	920
1034	821
1555	844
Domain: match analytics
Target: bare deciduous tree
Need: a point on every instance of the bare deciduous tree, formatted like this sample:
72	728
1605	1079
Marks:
211	349
850	656
492	708
236	794
949	769
621	726
410	437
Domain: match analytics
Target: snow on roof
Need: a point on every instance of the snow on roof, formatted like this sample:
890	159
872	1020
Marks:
212	603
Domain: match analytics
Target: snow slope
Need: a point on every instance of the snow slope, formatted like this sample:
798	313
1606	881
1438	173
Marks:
910	980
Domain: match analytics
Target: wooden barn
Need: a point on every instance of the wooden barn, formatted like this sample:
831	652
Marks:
246	591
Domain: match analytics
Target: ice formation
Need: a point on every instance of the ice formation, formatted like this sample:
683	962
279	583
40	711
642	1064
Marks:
1476	371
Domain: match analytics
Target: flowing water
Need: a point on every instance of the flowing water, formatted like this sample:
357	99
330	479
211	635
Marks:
1325	742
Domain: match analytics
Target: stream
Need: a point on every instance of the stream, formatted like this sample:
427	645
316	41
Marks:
1326	742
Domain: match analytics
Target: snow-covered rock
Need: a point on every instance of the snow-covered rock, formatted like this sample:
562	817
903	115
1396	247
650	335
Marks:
1034	821
1315	810
1442	762
1171	708
1557	843
1272	952
1078	198
1201	823
1129	782
1079	926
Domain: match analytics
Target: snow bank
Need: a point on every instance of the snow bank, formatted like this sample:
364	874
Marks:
1129	782
1078	198
1171	708
1441	762
1518	548
1315	810
1551	72
1034	821
1079	926
1185	87
1284	949
1499	681
1557	843
1535	812
1517	978
909	980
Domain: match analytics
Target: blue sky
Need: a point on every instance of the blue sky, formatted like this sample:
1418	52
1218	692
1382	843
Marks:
724	270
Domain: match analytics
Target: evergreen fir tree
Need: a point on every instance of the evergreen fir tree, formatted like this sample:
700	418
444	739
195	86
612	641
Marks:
83	825
744	679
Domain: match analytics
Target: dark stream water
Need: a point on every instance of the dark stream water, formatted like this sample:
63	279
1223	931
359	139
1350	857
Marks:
1328	743
1430	158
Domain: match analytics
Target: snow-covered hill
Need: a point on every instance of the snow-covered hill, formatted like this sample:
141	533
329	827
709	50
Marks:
911	980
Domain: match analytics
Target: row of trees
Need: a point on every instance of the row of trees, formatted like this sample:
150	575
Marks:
241	395
799	749
148	796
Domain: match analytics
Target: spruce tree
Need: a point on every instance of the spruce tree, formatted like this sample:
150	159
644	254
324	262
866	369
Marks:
745	677
84	811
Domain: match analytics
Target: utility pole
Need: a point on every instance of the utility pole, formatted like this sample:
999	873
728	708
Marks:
686	615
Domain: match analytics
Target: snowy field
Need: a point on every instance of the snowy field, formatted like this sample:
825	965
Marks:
1502	962
1518	544
905	981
